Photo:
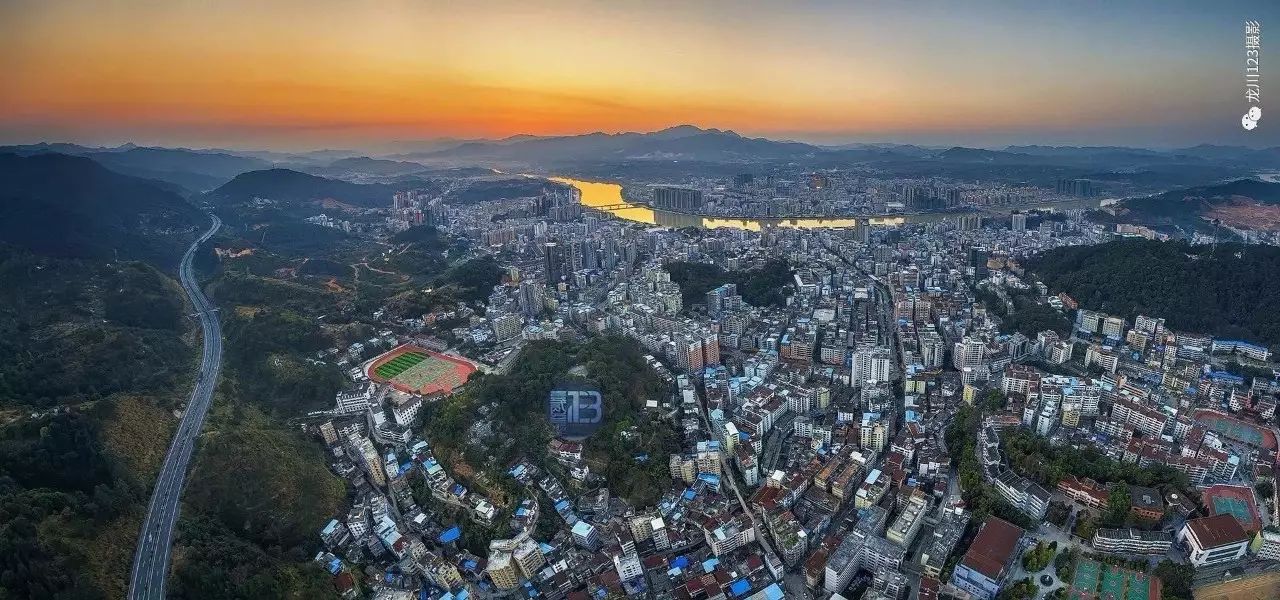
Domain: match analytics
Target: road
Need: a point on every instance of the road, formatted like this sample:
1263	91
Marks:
151	559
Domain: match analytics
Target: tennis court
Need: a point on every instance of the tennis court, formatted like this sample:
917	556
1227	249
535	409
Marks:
1094	581
1112	586
1085	580
1232	506
1139	587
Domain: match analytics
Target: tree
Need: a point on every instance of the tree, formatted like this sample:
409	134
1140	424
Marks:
1266	489
1118	504
1086	527
1038	557
995	401
1064	564
1176	579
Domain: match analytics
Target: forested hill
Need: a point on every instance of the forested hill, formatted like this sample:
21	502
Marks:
72	207
284	185
1229	292
1195	208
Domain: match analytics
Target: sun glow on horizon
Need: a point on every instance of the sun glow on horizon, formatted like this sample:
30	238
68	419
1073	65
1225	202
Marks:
295	73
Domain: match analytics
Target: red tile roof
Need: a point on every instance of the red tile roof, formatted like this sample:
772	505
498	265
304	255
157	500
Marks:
993	547
1218	530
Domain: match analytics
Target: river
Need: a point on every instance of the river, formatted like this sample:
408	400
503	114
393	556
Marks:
607	197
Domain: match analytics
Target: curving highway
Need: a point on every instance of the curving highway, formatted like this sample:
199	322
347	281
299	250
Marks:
151	559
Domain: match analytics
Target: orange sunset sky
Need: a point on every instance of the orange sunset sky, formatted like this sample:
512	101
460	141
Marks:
299	74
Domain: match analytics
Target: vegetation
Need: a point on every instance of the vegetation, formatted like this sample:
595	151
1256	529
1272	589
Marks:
1086	526
1033	457
768	285
485	191
1019	591
514	406
1058	514
1186	207
961	438
232	289
1118	504
91	360
473	279
1175	580
74	331
71	207
295	239
214	563
1266	489
1037	557
270	353
263	482
1064	563
284	185
1028	317
59	488
1225	291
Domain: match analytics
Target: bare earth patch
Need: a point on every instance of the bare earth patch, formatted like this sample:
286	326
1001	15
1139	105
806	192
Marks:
1246	213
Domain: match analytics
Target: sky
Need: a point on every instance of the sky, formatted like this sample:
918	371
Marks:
298	74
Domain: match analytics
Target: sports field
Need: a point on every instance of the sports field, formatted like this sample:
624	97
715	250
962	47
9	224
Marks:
1236	429
415	370
1095	581
1235	500
400	364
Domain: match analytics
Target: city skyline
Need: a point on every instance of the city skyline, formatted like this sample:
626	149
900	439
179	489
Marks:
294	76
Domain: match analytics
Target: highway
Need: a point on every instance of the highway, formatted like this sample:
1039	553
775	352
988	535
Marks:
151	558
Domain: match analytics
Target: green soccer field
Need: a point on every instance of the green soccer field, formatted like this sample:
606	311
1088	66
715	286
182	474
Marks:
399	364
425	372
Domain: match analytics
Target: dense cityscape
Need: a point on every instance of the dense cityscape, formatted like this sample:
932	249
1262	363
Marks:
897	412
586	300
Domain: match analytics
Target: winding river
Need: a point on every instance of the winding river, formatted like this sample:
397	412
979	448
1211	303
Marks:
608	197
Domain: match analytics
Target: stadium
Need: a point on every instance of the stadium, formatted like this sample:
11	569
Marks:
415	370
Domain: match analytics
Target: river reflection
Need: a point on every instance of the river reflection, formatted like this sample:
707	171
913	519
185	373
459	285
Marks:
608	197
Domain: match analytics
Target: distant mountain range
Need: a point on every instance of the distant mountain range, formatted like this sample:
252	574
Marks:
73	207
204	170
684	142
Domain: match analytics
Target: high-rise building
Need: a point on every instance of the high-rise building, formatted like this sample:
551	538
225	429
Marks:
502	570
506	327
626	561
1019	222
872	365
555	262
1076	187
677	198
529	557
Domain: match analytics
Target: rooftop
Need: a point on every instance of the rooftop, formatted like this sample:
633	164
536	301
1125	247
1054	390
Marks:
993	548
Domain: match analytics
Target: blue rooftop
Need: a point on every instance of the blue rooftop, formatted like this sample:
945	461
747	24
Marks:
450	535
740	587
